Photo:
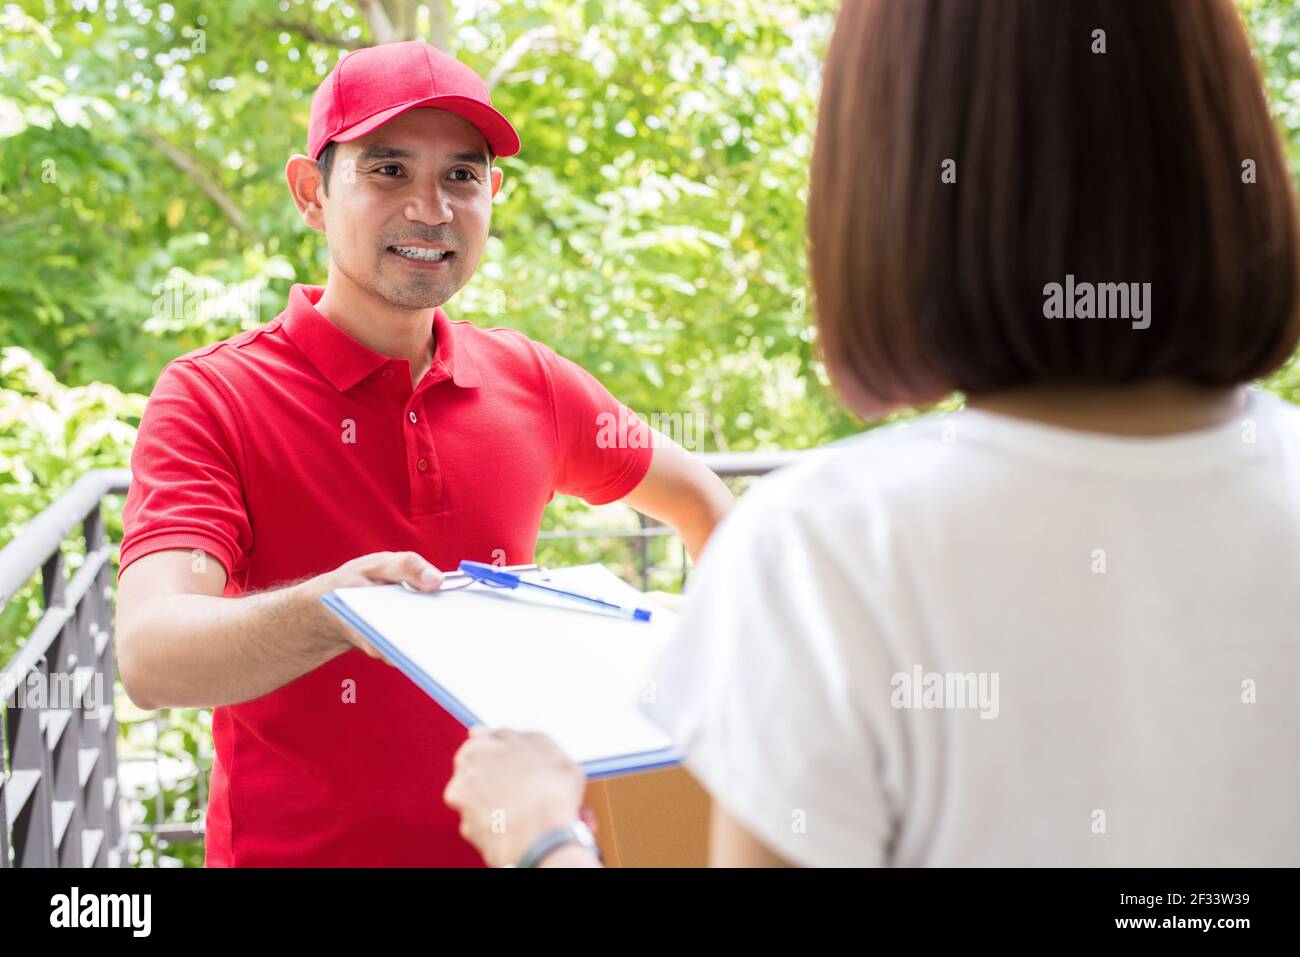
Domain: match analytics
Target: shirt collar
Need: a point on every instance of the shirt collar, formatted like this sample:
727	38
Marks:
344	361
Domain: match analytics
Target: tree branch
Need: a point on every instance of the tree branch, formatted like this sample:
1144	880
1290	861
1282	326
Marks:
381	27
190	167
516	52
439	24
314	33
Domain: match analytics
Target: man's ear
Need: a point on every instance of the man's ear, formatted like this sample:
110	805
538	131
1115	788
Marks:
496	180
307	190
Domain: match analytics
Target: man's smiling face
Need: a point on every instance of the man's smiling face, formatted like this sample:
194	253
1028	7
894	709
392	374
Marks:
408	207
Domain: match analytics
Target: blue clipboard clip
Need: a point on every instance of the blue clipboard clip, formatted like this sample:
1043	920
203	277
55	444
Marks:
459	579
508	578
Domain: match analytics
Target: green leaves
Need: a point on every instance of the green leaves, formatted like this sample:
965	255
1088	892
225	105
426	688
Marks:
652	229
49	435
654	214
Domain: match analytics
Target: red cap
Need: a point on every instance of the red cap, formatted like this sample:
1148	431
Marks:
370	86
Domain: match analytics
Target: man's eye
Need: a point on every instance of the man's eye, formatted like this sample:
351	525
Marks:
392	167
468	177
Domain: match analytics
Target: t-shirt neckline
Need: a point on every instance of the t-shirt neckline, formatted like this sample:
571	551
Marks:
1238	439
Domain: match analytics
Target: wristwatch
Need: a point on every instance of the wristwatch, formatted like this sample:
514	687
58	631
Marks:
575	833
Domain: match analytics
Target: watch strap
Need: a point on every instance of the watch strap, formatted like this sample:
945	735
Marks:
575	833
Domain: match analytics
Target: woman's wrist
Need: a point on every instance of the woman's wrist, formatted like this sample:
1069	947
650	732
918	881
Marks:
574	833
570	855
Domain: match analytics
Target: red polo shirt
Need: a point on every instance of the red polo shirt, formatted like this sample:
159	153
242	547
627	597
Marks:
291	449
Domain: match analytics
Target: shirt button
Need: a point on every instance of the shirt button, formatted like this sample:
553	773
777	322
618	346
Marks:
412	415
422	465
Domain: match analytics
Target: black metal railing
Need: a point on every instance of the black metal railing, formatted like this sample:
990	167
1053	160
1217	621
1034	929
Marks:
61	799
59	803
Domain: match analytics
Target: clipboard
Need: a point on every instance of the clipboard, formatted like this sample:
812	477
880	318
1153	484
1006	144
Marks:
525	661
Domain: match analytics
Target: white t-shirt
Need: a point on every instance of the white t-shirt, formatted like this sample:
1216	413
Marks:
1118	616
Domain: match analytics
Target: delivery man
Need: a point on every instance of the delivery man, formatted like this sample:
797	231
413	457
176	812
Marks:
360	437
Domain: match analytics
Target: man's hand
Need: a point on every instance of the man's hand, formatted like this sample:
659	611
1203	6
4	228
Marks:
377	568
182	645
510	788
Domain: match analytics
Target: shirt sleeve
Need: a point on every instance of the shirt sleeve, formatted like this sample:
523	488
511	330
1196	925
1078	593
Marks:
605	450
762	691
185	479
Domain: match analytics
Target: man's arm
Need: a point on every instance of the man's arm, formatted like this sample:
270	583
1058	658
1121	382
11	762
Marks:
679	490
180	644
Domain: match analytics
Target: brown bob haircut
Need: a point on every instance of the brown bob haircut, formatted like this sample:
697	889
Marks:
1119	167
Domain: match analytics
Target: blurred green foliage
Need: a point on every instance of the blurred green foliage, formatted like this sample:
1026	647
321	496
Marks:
652	229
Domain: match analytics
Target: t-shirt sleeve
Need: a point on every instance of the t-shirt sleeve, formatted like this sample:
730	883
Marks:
761	690
186	490
605	450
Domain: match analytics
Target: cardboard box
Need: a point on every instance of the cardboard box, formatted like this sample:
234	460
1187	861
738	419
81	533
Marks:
655	819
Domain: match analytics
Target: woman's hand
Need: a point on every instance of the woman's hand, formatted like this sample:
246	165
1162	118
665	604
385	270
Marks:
510	788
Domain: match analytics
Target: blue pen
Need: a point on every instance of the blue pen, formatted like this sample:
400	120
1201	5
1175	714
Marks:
493	575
